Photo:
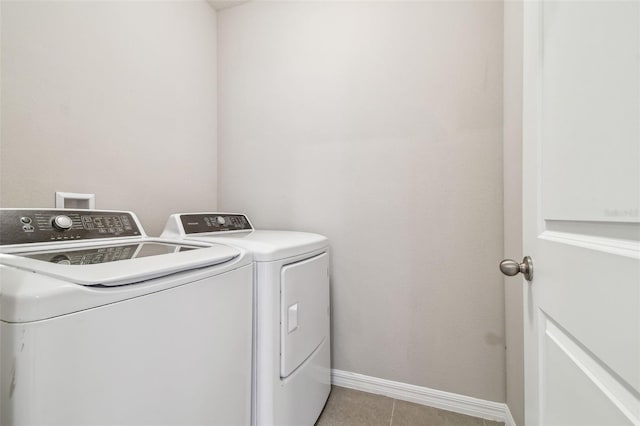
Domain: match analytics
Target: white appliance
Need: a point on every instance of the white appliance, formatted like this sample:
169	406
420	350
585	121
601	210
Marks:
292	377
101	325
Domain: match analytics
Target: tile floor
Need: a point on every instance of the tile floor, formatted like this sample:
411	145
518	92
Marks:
348	407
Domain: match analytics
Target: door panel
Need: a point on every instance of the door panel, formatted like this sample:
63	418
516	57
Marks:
597	301
304	316
597	398
590	111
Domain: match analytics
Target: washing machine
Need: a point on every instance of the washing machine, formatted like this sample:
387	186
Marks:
292	377
102	325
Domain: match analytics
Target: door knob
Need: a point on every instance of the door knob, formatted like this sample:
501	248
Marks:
511	267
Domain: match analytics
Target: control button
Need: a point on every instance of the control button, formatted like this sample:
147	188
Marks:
62	222
28	228
220	220
25	219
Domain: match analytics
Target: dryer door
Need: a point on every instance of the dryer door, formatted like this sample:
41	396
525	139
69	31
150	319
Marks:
304	310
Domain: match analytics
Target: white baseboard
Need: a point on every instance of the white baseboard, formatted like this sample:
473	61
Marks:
462	404
509	420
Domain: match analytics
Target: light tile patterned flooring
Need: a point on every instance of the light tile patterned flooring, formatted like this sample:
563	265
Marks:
348	407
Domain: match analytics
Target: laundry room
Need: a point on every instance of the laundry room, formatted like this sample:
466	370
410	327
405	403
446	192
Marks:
392	130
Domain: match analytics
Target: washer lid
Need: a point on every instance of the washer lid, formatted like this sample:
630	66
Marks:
119	264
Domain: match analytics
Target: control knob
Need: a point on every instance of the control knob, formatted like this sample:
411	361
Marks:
62	222
220	220
61	260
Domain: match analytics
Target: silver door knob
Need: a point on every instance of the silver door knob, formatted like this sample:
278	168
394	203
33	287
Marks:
511	267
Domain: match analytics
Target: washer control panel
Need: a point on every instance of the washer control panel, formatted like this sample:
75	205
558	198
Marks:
23	226
214	222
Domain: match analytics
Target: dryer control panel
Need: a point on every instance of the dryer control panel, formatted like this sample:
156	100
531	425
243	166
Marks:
23	226
198	223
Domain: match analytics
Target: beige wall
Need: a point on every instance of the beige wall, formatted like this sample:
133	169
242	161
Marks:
513	205
379	124
112	98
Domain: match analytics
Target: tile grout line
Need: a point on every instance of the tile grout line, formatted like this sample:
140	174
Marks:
393	409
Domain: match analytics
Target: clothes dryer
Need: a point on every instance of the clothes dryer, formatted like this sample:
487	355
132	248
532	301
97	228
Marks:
100	324
292	377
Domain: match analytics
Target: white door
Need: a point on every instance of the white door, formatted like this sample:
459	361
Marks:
581	122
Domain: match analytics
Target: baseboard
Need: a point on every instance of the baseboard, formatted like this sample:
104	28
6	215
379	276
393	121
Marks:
462	404
508	421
